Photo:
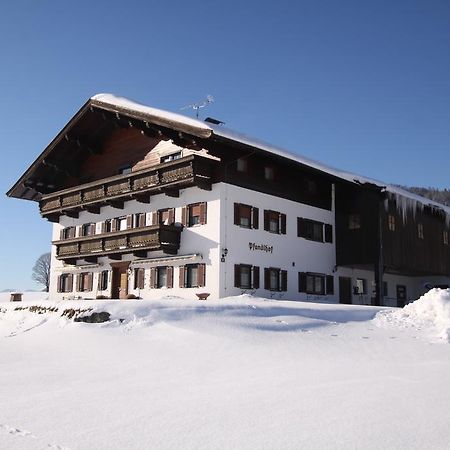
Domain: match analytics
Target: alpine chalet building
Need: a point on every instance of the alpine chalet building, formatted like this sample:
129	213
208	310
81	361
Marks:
149	203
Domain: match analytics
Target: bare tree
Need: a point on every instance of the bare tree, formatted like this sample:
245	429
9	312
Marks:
41	270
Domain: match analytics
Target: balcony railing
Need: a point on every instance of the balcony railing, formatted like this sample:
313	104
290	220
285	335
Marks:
193	170
116	243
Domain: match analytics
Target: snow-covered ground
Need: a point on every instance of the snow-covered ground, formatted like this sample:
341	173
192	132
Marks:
235	373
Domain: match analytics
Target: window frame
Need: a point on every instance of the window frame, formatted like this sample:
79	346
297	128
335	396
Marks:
354	221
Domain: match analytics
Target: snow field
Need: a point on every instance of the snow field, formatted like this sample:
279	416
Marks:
235	373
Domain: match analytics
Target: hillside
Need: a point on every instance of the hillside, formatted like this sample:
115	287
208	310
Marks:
239	373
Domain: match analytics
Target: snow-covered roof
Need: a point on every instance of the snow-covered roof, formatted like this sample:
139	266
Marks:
157	115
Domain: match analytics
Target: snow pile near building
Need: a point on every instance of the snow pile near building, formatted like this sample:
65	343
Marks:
430	315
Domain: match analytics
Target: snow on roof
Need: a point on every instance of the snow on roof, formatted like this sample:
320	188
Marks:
409	200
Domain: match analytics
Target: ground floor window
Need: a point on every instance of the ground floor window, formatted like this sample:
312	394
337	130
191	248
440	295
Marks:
275	279
161	277
192	275
360	286
85	282
315	283
246	276
103	280
139	278
65	282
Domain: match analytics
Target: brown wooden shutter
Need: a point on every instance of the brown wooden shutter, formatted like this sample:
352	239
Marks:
283	283
255	218
300	227
155	218
255	280
104	227
201	275
70	282
78	282
237	275
114	224
181	277
92	228
61	234
99	281
141	278
142	220
59	287
330	285
72	232
184	215
80	230
237	216
266	219
328	233
203	213
171	216
129	221
266	278
153	277
90	279
301	282
169	276
282	223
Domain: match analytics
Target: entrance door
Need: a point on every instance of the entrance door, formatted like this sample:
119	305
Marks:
401	295
345	290
119	284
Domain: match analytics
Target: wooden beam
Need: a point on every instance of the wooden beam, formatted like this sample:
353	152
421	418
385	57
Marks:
118	204
72	214
171	192
70	261
54	218
92	209
91	259
141	198
169	250
140	253
115	256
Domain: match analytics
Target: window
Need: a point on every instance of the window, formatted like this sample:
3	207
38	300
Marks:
103	280
124	170
274	222
246	216
121	223
139	278
87	229
65	282
161	277
420	230
84	282
391	222
360	286
269	173
67	233
164	216
246	276
194	214
445	237
139	220
172	157
314	231
354	222
107	226
192	275
310	186
315	283
241	165
275	279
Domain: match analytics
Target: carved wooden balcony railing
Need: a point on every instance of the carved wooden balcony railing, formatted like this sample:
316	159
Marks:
192	170
114	244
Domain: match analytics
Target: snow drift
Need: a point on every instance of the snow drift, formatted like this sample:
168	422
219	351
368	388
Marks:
430	314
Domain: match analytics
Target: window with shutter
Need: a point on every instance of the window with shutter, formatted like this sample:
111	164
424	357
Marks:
196	214
315	283
103	280
274	279
182	278
166	216
314	230
274	222
201	275
139	278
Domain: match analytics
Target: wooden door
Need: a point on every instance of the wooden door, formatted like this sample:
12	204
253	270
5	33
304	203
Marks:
119	284
345	290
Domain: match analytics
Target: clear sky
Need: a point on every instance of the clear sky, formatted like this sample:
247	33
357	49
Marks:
360	85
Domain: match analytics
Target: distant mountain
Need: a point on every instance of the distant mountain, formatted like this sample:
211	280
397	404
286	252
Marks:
437	195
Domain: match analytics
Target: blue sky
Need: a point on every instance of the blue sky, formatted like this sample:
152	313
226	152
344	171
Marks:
363	86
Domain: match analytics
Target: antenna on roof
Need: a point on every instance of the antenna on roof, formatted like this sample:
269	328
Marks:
196	106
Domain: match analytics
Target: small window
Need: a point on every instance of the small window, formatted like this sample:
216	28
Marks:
162	277
275	279
107	226
139	220
391	222
420	230
269	173
310	186
242	165
85	281
172	157
445	237
68	233
194	214
360	286
246	276
192	275
124	170
245	216
354	222
103	280
166	216
274	222
315	283
121	223
65	282
87	229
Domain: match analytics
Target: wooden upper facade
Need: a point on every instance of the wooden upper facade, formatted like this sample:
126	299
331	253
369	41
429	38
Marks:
110	153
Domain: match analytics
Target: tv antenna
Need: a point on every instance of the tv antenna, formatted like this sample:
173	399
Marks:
199	105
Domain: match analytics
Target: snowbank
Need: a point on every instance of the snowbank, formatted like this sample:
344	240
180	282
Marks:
429	314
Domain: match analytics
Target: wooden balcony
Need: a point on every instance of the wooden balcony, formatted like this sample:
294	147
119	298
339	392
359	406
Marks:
169	178
114	244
